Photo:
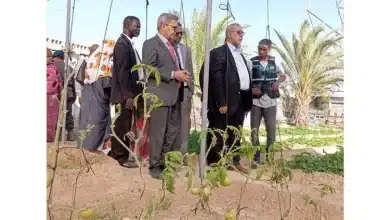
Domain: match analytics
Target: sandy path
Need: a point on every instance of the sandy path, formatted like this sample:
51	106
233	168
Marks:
114	185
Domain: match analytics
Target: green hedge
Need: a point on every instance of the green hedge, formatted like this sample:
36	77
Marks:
194	142
308	163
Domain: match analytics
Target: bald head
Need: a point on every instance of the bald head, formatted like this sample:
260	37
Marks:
234	34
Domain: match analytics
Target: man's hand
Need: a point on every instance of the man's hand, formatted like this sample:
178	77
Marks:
256	91
181	75
223	109
275	86
129	103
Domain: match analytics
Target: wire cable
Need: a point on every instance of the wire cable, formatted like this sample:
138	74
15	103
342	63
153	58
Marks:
226	7
268	34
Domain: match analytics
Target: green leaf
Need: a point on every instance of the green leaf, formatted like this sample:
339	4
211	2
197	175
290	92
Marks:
259	174
175	156
137	67
213	176
173	165
308	200
154	72
250	153
191	161
189	176
229	156
169	181
234	129
119	107
135	100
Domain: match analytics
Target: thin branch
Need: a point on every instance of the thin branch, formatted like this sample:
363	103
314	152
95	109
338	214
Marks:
89	166
75	190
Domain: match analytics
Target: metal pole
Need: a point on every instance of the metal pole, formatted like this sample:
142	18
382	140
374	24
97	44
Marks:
67	50
205	88
268	32
146	15
72	19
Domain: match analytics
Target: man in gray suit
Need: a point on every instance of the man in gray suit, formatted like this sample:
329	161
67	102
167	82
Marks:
159	52
185	56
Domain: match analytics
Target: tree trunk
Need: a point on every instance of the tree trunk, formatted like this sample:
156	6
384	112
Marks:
302	115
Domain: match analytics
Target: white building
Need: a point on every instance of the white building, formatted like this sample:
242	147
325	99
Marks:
79	51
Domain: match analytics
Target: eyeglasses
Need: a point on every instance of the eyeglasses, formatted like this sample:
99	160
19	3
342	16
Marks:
172	26
242	33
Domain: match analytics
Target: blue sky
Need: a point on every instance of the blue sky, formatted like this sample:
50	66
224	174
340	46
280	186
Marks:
91	16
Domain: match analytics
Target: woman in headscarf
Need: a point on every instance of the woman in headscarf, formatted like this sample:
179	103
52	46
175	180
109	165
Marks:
79	75
53	90
95	99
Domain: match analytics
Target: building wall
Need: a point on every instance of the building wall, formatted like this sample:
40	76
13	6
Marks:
78	49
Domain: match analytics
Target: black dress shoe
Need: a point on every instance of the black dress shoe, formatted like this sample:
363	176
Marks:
129	164
155	173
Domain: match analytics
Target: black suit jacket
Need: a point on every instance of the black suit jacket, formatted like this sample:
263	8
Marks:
124	82
224	82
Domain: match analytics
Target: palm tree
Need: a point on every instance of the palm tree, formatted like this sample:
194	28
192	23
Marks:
313	63
195	38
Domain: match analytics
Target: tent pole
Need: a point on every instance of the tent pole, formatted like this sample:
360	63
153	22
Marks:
205	90
67	51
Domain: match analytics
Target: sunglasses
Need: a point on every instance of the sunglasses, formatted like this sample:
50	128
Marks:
242	33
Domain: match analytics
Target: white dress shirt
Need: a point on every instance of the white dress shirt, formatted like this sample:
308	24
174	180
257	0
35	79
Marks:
242	69
141	75
165	41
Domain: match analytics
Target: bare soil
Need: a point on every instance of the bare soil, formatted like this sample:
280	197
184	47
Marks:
113	193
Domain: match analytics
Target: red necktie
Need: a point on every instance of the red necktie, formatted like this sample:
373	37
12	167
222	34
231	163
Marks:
172	52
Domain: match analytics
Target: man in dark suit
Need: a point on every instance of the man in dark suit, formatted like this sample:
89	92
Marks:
185	56
165	120
230	97
125	88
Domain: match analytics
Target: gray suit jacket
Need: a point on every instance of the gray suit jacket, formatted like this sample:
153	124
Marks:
156	53
187	64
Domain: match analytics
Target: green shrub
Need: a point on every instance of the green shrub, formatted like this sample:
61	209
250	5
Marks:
300	131
194	142
310	142
329	163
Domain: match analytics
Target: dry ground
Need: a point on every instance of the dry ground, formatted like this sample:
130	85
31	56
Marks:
114	191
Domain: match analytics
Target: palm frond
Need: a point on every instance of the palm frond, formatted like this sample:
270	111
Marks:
313	62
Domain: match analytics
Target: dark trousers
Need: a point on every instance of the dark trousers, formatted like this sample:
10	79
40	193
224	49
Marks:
269	115
186	120
69	124
218	121
165	127
122	127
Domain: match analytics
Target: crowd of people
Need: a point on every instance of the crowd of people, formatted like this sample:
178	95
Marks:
236	87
